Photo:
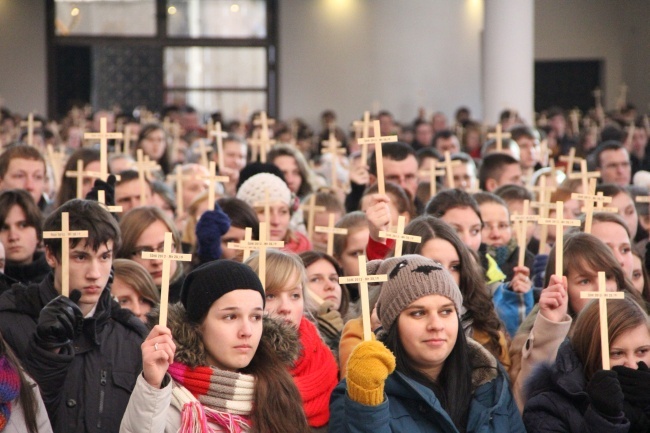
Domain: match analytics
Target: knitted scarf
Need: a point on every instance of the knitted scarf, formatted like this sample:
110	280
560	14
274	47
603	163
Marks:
502	254
9	390
220	397
315	374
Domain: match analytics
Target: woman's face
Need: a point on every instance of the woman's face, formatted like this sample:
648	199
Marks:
497	230
443	251
355	246
288	304
280	216
637	274
289	168
584	280
153	239
130	299
154	145
323	280
631	347
615	237
428	329
232	329
467	225
236	235
627	211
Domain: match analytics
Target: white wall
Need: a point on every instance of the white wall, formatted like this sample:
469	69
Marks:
23	56
358	55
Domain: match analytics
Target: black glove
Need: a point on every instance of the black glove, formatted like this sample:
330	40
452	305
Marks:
59	322
109	190
212	225
639	423
635	385
606	393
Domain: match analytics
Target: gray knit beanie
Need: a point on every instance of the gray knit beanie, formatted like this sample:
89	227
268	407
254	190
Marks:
410	278
252	191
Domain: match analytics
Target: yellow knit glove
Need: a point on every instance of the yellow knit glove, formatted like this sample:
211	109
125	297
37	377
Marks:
369	365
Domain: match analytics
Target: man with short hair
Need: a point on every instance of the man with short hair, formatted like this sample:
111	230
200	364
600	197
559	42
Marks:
83	351
528	141
127	191
23	167
400	167
499	169
613	161
235	153
444	141
422	135
464	174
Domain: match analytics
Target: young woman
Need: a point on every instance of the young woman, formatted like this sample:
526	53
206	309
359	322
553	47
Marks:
623	201
221	372
348	248
323	280
281	205
153	142
143	230
540	336
575	394
133	288
460	210
297	174
424	374
315	372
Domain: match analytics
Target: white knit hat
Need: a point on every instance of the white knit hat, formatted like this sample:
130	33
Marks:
253	190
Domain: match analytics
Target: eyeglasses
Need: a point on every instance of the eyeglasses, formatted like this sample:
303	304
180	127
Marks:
137	251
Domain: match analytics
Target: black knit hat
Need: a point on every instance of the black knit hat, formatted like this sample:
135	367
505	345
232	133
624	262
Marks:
209	282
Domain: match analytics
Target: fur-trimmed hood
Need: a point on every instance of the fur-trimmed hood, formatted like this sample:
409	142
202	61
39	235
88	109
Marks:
191	351
484	364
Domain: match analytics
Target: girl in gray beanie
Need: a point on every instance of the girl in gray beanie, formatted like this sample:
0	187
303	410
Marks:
424	361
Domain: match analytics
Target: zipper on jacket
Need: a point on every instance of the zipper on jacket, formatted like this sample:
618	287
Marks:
102	382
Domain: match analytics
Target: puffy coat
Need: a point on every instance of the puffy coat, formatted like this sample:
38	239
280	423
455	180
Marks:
84	391
412	407
557	400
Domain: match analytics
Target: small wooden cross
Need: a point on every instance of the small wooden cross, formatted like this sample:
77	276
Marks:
178	178
331	231
79	175
630	135
245	244
212	179
30	124
103	136
544	156
399	236
432	174
203	152
543	192
332	146
603	295
363	279
219	135
144	167
570	160
521	225
264	142
574	116
65	235
262	245
365	128
311	208
128	137
499	135
559	222
57	161
584	175
588	197
166	256
378	140
101	199
449	169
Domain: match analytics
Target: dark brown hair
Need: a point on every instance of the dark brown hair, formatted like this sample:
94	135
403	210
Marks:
68	188
24	200
310	257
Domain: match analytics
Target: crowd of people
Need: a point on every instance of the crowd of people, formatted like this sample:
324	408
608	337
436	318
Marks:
474	330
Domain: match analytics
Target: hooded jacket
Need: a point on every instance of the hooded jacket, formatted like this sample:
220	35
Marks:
557	400
412	407
84	391
155	405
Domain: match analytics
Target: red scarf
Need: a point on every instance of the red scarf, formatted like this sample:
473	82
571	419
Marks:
315	374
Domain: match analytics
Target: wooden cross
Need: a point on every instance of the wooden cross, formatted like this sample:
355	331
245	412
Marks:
203	151
103	136
144	167
166	256
588	197
262	245
570	160
521	227
449	169
331	231
574	116
128	137
245	244
219	135
57	160
432	174
543	152
399	236
79	175
30	124
499	135
212	179
311	207
266	204
332	146
101	199
365	127
65	235
600	111
264	142
603	295
178	178
559	222
543	192
584	175
630	135
377	140
363	279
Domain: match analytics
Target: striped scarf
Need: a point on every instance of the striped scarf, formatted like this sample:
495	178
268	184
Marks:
9	390
210	395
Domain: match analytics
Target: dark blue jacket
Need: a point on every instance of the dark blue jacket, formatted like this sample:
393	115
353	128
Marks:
557	400
412	407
